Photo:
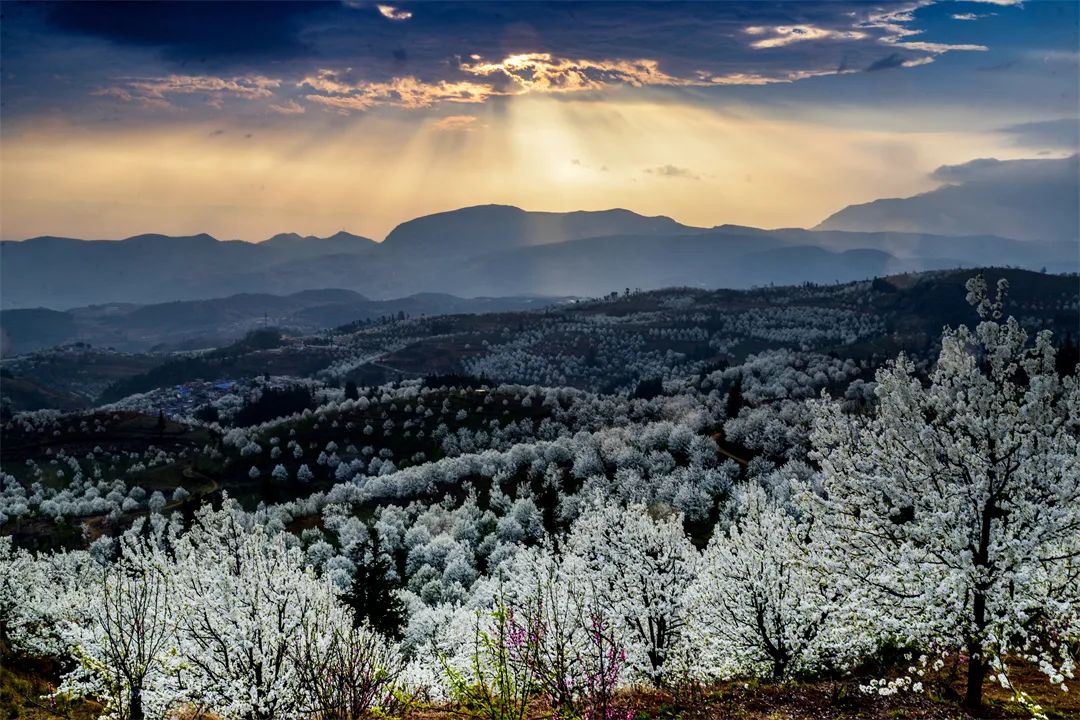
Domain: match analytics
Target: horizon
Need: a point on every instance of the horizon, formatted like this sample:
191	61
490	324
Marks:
356	115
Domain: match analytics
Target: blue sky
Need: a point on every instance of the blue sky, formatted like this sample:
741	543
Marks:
247	118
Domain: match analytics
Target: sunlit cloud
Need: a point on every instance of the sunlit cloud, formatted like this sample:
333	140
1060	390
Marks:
541	72
289	108
335	90
520	74
393	13
457	123
787	34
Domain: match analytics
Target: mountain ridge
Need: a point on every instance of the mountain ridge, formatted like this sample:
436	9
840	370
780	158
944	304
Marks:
492	250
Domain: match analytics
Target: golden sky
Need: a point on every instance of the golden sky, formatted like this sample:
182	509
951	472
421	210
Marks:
180	119
699	165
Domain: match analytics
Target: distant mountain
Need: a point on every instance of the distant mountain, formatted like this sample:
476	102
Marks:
490	250
709	260
473	231
63	272
295	246
1022	199
207	323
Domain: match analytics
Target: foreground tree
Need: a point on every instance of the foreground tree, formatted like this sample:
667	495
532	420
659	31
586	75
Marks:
346	671
956	507
758	608
247	600
639	569
124	630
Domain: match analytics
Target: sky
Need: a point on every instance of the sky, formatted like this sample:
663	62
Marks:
247	119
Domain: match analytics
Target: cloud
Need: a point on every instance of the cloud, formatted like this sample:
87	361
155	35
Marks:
782	35
451	52
895	26
971	16
893	60
1063	133
672	171
336	90
542	72
289	108
194	31
457	123
154	91
392	13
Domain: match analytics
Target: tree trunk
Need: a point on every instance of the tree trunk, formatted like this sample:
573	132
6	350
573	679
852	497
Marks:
975	675
977	666
779	666
135	708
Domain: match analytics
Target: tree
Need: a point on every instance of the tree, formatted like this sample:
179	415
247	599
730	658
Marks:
345	671
351	391
372	595
20	576
246	599
125	625
639	569
757	607
956	507
734	402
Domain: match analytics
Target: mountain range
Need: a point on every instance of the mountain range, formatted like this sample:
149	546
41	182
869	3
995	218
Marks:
986	212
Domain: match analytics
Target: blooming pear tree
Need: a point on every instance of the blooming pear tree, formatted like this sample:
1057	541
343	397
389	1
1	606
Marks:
639	569
124	633
758	608
246	600
955	508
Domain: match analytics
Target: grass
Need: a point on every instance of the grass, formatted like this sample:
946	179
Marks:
25	689
25	685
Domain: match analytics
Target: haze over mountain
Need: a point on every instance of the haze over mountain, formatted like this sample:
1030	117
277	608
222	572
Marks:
1023	199
492	250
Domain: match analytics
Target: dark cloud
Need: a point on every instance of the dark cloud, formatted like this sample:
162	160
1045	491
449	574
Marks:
893	60
994	170
193	31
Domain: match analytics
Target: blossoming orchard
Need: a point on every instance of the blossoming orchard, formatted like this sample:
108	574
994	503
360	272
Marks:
582	516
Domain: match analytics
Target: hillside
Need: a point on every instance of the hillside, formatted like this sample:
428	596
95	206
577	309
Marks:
667	331
208	323
555	470
981	197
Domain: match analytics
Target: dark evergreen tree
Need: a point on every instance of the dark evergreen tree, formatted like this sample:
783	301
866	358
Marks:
734	399
371	595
